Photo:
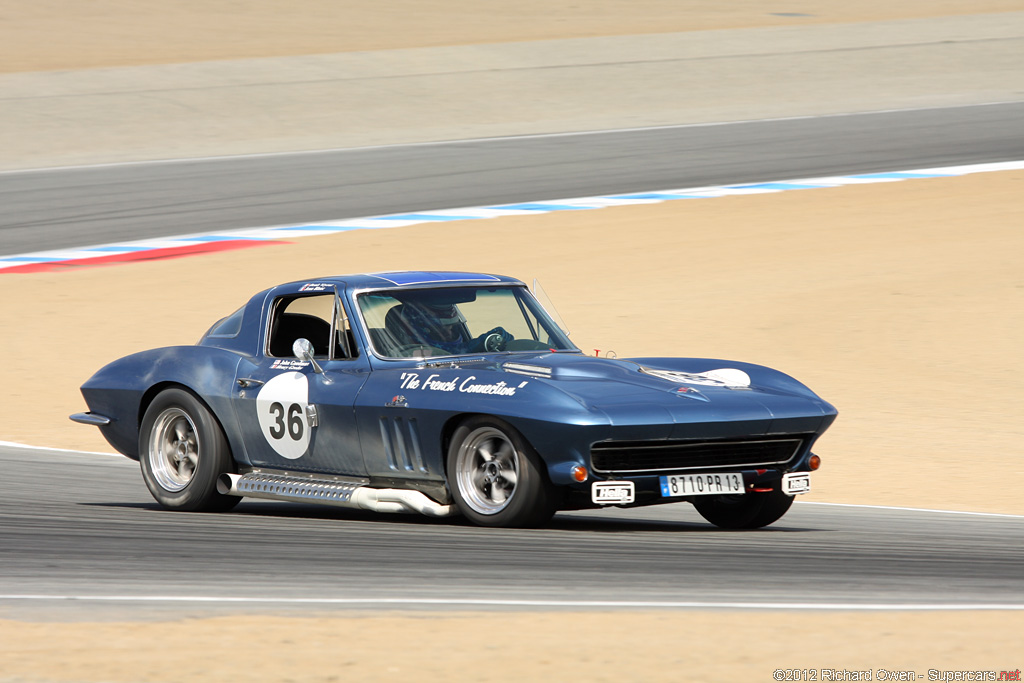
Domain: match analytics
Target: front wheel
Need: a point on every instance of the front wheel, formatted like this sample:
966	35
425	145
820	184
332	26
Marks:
746	511
496	477
182	451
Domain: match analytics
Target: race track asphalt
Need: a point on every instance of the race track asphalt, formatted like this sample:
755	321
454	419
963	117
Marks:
59	208
80	525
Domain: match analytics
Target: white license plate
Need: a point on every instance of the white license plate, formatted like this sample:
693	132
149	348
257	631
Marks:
612	492
701	484
795	483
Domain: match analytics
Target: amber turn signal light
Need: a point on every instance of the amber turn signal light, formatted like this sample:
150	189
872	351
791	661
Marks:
579	473
814	462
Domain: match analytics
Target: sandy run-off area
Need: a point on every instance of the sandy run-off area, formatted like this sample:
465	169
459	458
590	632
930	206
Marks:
50	36
902	303
697	647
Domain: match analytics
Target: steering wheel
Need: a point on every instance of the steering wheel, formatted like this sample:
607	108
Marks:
494	342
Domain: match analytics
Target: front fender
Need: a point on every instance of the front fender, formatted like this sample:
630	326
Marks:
556	423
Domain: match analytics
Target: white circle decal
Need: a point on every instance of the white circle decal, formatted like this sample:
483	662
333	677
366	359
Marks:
281	409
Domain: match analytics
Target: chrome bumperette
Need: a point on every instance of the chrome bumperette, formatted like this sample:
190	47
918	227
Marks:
91	419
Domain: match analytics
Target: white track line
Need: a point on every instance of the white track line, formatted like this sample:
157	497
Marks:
581	604
12	444
906	509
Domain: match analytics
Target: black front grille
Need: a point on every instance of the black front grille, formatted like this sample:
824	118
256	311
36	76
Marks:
669	455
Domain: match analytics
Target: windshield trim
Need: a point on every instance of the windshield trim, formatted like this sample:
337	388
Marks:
372	349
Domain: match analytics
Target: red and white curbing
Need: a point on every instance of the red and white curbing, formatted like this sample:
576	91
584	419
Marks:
188	245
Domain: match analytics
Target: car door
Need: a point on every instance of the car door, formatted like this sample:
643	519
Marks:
298	415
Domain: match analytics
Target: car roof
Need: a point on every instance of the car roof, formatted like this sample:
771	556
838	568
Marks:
244	340
411	278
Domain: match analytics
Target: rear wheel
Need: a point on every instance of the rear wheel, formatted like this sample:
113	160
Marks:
182	451
496	477
747	511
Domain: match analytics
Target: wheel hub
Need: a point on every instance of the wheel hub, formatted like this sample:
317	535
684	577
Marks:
492	471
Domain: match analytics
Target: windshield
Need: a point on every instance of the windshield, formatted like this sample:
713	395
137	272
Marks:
448	321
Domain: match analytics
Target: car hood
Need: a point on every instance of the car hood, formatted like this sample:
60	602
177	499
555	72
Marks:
695	397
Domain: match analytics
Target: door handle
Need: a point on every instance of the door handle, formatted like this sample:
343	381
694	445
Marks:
246	382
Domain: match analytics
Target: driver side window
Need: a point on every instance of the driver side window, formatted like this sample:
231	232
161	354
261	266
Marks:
307	317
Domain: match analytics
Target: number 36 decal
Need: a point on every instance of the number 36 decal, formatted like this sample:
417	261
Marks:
281	407
294	429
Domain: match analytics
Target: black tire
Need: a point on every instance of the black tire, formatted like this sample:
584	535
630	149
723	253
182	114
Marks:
496	477
182	451
748	511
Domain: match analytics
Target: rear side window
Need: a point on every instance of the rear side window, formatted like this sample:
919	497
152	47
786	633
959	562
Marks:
229	326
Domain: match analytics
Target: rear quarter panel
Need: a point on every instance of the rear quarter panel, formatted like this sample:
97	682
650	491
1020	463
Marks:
123	389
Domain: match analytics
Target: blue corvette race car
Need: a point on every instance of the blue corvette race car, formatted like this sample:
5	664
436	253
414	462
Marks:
448	393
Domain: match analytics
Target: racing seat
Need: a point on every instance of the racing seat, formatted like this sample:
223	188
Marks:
406	335
291	326
396	334
398	327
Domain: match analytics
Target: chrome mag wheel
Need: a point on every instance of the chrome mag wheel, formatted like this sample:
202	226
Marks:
182	451
173	449
487	470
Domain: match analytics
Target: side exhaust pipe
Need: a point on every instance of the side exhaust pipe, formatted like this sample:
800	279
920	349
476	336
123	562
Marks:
330	492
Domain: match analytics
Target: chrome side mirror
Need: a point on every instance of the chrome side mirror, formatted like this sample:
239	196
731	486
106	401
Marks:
303	350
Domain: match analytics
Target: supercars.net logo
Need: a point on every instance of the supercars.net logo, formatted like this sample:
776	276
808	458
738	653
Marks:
892	675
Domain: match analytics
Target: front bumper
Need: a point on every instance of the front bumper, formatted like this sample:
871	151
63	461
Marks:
648	487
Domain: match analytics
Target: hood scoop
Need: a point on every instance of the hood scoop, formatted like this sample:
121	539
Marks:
528	370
